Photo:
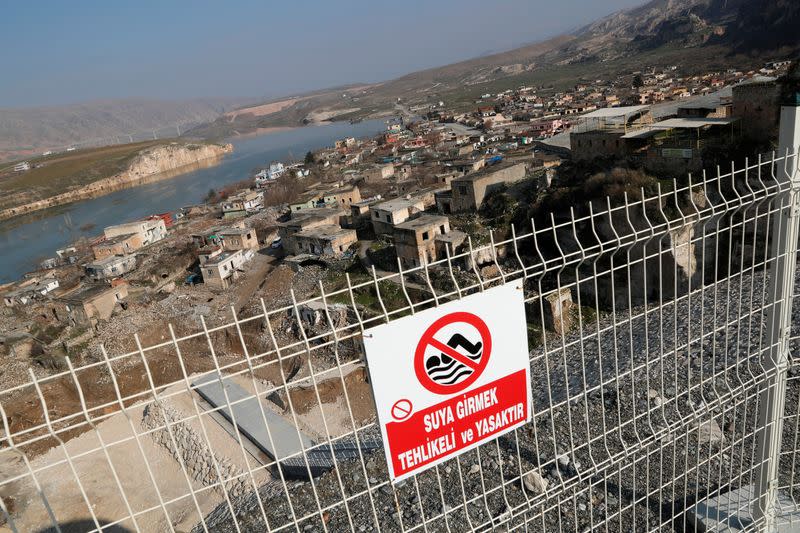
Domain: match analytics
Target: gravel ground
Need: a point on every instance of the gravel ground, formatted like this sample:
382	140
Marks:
643	414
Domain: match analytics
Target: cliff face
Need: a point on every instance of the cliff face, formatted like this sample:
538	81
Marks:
152	164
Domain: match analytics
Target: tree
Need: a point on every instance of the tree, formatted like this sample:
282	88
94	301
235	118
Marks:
212	194
310	159
637	81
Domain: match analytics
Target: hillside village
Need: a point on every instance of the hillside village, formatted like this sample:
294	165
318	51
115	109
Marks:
436	187
425	189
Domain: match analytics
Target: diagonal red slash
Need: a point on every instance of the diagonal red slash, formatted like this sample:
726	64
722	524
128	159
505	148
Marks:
453	353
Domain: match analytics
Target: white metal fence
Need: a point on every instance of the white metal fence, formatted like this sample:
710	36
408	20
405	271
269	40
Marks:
666	382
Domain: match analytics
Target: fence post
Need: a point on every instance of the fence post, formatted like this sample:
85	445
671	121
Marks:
776	358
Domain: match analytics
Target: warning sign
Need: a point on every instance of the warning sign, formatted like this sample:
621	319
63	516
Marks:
450	378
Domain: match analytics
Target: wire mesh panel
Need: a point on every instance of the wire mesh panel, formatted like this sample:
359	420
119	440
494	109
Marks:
647	316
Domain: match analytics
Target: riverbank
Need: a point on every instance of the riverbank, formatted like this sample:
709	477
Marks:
150	165
25	241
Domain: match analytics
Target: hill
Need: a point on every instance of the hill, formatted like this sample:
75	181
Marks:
699	35
28	131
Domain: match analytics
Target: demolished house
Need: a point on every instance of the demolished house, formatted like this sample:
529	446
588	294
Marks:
303	220
148	231
86	305
110	267
29	291
325	240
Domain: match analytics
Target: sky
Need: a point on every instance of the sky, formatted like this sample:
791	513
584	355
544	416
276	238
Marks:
57	52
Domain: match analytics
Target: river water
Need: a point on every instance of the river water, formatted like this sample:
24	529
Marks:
26	241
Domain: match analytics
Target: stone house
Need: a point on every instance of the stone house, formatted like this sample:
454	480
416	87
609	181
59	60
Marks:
378	173
386	215
110	267
119	245
307	219
238	239
29	291
324	240
470	190
243	203
423	239
86	305
343	197
220	270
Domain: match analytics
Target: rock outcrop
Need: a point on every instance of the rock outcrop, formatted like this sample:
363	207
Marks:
152	164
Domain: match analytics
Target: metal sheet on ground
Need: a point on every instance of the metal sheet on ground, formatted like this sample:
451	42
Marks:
242	409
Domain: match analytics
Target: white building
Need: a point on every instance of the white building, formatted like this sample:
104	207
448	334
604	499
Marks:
110	267
150	231
276	168
22	166
220	269
30	291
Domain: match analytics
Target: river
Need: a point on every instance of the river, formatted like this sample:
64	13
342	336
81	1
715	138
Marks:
26	241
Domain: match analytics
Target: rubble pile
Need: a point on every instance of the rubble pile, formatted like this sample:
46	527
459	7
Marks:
201	463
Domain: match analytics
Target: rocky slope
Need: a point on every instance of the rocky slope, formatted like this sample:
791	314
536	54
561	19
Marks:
151	164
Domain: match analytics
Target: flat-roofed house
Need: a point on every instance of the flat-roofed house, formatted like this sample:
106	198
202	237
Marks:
222	269
110	267
386	215
423	239
325	240
243	203
469	191
379	173
29	291
86	305
343	197
306	219
119	245
238	238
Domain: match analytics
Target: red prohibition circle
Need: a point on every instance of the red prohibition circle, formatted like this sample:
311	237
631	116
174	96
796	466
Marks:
429	340
402	409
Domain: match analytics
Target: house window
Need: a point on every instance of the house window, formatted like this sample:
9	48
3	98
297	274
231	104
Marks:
441	228
389	218
225	267
210	271
424	235
341	248
462	189
249	236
